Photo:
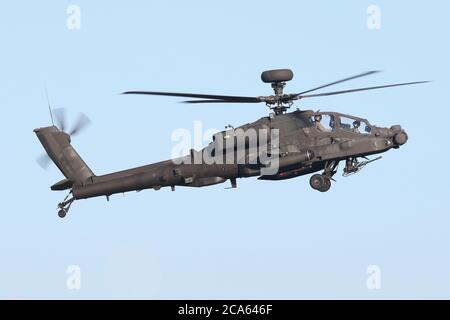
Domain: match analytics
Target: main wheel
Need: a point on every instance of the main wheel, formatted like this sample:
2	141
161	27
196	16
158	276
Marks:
326	186
62	213
317	181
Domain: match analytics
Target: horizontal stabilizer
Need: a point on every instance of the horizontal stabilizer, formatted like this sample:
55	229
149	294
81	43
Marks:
62	185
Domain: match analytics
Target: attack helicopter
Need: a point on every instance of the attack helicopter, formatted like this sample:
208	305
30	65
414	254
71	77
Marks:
280	146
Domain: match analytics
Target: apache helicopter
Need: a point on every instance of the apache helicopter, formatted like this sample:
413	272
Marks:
307	142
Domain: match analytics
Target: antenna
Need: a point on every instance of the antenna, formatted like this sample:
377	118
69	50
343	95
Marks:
49	108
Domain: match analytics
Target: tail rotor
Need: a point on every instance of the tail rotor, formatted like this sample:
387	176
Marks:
59	116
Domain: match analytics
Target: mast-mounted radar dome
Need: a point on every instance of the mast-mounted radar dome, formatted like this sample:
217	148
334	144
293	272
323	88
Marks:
278	75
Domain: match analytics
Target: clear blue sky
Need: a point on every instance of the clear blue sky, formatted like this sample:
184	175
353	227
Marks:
264	239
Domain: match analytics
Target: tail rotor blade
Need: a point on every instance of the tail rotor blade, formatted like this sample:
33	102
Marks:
60	118
43	161
82	122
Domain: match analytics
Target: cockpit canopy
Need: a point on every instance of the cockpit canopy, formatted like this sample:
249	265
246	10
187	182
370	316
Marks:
331	122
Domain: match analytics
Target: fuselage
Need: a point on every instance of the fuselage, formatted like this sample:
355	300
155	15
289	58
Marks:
298	148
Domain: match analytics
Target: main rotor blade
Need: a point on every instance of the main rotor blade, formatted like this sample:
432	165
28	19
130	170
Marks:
359	89
221	101
340	81
82	122
60	118
196	95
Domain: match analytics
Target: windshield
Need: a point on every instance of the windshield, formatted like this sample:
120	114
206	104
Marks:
354	125
323	122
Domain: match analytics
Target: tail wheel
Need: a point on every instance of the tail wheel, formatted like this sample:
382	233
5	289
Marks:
62	213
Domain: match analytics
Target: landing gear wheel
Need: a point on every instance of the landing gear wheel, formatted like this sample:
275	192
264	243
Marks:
64	206
326	186
62	213
317	181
